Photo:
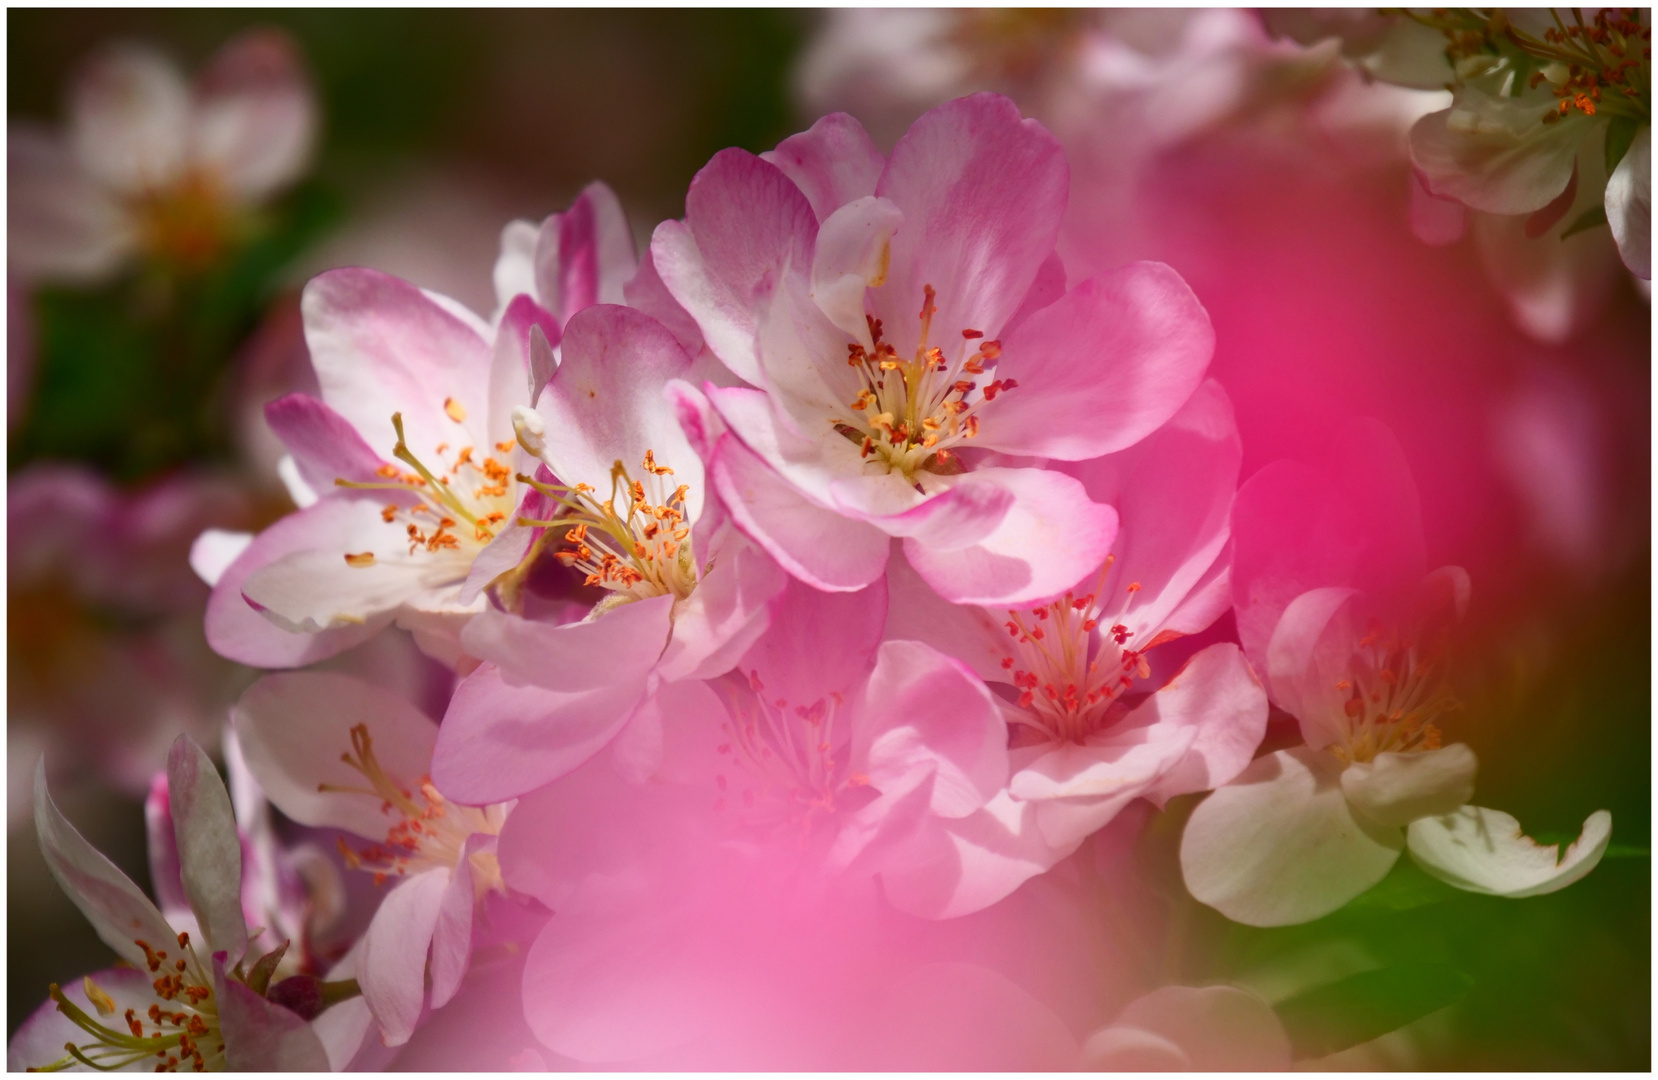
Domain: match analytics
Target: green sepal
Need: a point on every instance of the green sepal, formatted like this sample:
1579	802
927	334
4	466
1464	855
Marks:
1594	217
259	979
1620	134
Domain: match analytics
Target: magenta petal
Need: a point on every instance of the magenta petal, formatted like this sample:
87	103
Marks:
1310	657
958	866
166	876
963	514
324	444
594	254
1354	522
967	632
1218	694
502	739
833	162
1052	536
1103	367
982	191
745	222
818	546
239	632
209	847
729	610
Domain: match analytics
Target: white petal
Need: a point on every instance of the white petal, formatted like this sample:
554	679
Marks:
287	470
1396	789
1629	205
853	247
1279	845
1485	851
215	549
120	913
129	118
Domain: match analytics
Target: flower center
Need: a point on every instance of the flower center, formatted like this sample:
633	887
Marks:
636	542
1393	696
426	830
183	1027
1067	674
456	510
909	414
1599	67
186	224
789	766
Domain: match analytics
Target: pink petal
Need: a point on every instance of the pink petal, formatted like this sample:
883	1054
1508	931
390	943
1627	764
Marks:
166	875
926	714
1355	522
261	1036
588	257
209	847
966	513
119	912
325	446
729	610
646	292
520	366
60	224
294	727
1310	655
959	866
130	118
393	965
800	659
982	191
833	162
452	934
1173	495
965	631
39	1040
606	402
380	346
1052	536
501	739
620	645
1218	696
1103	367
745	223
820	547
256	117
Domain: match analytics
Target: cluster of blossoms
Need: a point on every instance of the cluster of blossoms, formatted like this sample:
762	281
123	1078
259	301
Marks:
836	560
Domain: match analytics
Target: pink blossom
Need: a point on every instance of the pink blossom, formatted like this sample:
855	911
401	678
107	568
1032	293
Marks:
335	752
1333	605
1085	742
621	504
151	164
201	1003
900	322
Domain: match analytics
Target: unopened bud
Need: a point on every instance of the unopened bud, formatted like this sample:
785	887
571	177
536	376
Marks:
530	429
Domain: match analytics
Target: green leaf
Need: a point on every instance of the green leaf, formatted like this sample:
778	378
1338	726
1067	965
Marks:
1333	1017
1407	886
1620	133
1591	218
